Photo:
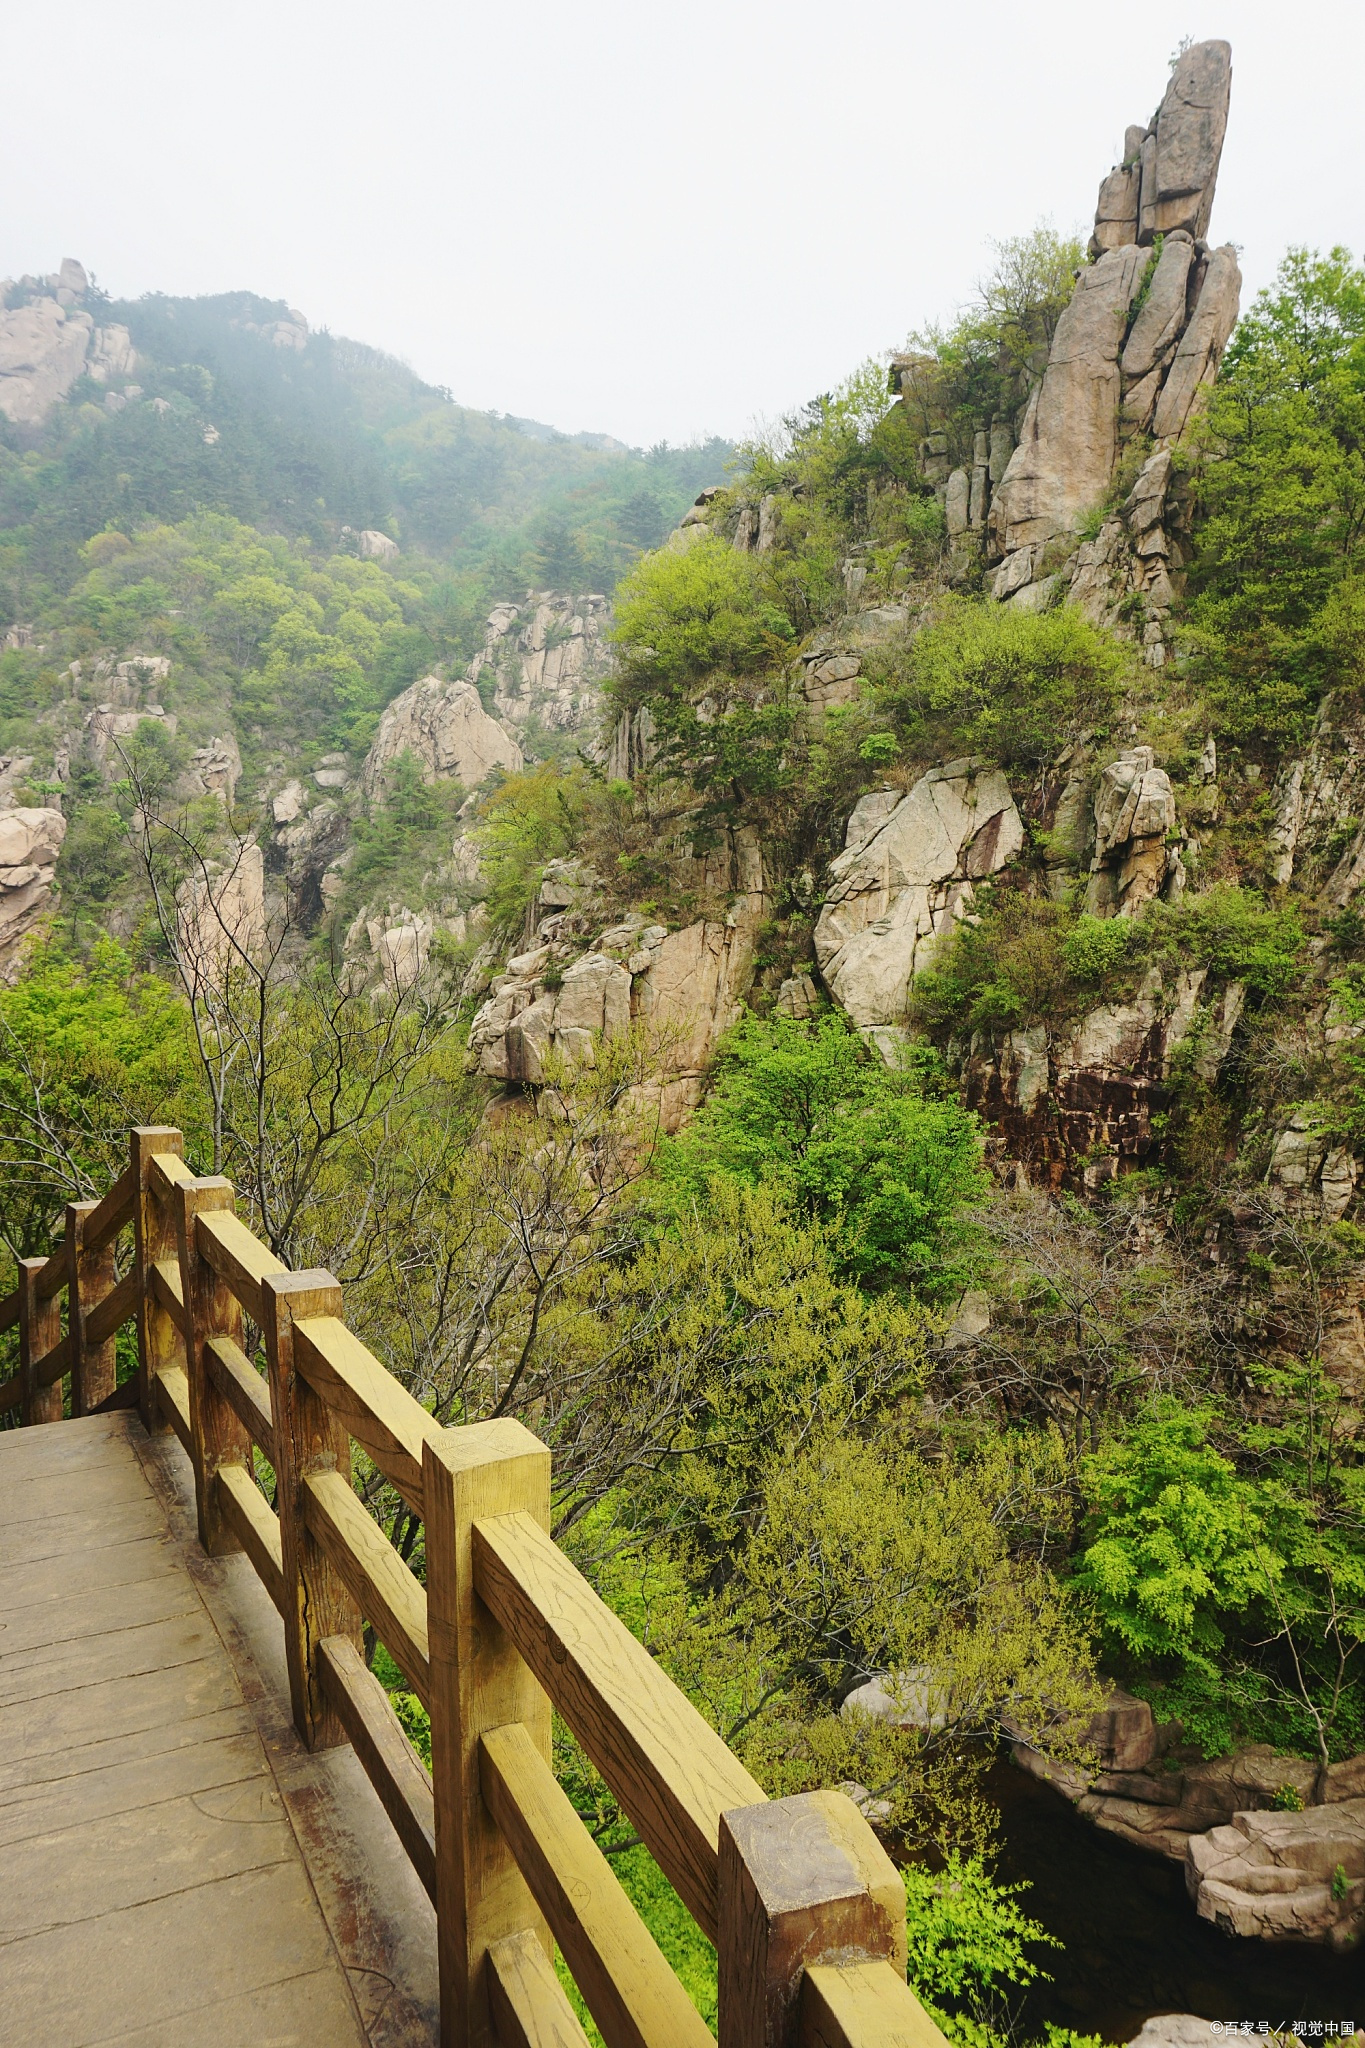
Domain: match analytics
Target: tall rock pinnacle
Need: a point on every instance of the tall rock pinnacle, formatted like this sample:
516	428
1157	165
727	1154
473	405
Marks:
1144	332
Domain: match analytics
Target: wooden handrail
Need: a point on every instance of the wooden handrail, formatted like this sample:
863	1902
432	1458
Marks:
236	1256
379	1582
670	1770
111	1213
504	1625
242	1387
378	1410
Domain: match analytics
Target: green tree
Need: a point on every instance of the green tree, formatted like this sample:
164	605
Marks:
1281	508
886	1166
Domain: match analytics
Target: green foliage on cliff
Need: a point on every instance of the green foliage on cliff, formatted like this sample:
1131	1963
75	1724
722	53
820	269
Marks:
885	1165
984	679
1281	536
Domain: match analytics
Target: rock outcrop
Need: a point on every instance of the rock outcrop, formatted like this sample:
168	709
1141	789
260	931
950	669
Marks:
446	727
1284	1876
1135	816
30	841
1140	340
221	917
906	873
682	988
48	341
548	657
1075	1104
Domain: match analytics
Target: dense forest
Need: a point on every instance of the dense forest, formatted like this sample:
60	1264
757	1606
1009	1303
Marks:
862	1360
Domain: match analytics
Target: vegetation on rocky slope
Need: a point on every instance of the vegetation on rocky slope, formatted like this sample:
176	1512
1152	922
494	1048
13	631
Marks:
890	1359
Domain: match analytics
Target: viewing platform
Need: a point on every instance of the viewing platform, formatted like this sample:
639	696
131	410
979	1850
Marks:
177	1867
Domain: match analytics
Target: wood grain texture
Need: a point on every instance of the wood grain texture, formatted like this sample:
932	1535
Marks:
242	1387
391	1763
173	1396
802	1880
40	1326
168	1171
309	1439
9	1309
51	1277
626	1983
669	1769
478	1681
376	1577
54	1365
111	1212
862	2005
530	2009
11	1393
379	1412
160	1320
211	1310
89	1277
165	1286
237	1256
255	1525
114	1311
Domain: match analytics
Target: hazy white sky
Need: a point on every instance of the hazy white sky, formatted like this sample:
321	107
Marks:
652	220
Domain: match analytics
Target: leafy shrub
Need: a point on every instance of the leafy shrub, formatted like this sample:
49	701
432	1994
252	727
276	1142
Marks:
524	822
1230	931
985	679
1094	946
968	1936
1178	1542
883	1164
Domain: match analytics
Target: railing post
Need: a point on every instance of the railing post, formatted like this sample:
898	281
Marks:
802	1881
309	1437
211	1310
89	1277
40	1327
478	1682
155	1237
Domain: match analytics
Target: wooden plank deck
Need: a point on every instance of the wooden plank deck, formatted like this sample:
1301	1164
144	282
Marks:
174	1867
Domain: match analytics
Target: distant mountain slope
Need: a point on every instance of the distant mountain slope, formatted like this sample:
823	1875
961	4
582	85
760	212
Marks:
234	406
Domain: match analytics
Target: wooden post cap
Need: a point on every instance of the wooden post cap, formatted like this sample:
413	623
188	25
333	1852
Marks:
803	1880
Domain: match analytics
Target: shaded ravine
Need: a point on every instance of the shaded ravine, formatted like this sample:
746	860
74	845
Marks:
1134	1944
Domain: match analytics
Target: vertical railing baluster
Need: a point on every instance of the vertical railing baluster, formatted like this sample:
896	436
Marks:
309	1437
478	1681
40	1327
155	1237
89	1277
211	1310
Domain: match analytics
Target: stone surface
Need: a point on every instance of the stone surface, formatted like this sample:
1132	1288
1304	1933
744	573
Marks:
1069	440
1134	813
916	1698
30	841
1161	320
892	894
548	658
1202	344
376	547
1271	1875
220	916
682	988
1180	158
43	348
446	727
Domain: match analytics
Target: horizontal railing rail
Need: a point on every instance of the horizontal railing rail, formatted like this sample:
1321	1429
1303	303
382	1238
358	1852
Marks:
805	1908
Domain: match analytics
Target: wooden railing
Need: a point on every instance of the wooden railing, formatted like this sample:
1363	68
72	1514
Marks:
805	1907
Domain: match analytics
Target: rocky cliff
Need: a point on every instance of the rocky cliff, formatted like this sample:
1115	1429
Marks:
48	341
